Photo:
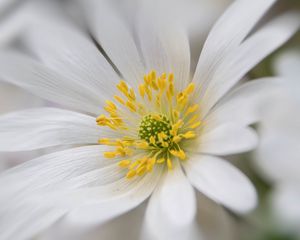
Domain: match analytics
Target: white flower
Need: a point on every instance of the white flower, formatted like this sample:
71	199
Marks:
278	153
163	132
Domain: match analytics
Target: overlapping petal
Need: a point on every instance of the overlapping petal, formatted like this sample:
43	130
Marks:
221	182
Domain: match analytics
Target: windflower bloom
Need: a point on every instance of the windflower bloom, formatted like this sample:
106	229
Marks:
146	126
277	156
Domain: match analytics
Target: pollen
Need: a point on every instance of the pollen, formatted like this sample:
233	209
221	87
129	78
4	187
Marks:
156	130
153	122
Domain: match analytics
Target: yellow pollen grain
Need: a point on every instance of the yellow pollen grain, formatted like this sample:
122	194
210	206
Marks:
152	140
142	90
169	164
177	139
142	145
189	134
131	174
160	160
110	154
195	125
119	99
180	154
124	163
131	106
141	170
190	88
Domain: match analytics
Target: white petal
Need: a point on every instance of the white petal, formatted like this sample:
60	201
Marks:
172	207
277	156
285	205
43	186
25	223
118	228
237	63
46	127
176	197
25	208
107	202
287	66
244	104
164	43
16	98
221	182
114	37
227	139
68	51
46	83
229	31
51	171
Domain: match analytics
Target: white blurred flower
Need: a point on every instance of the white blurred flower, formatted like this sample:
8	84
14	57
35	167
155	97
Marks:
199	119
278	153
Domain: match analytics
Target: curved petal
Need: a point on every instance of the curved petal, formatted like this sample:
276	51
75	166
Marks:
157	34
46	83
227	34
285	205
287	64
255	48
117	228
221	182
41	189
107	202
172	207
23	209
244	104
115	38
46	127
277	155
51	171
227	139
68	51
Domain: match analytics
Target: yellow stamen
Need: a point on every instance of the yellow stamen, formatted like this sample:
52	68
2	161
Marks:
189	134
155	123
124	163
131	174
169	164
110	154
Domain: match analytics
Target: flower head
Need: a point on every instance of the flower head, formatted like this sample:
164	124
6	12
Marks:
153	123
157	132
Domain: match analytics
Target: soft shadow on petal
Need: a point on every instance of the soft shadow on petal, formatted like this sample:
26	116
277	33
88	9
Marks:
70	52
115	38
171	209
46	83
164	43
65	182
229	31
127	227
47	127
244	105
222	182
244	57
226	139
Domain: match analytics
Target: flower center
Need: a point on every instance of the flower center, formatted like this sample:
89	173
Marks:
150	126
155	130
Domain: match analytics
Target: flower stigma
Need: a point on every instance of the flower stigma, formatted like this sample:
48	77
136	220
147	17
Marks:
152	125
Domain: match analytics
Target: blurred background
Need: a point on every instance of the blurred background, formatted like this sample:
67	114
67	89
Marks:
274	167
